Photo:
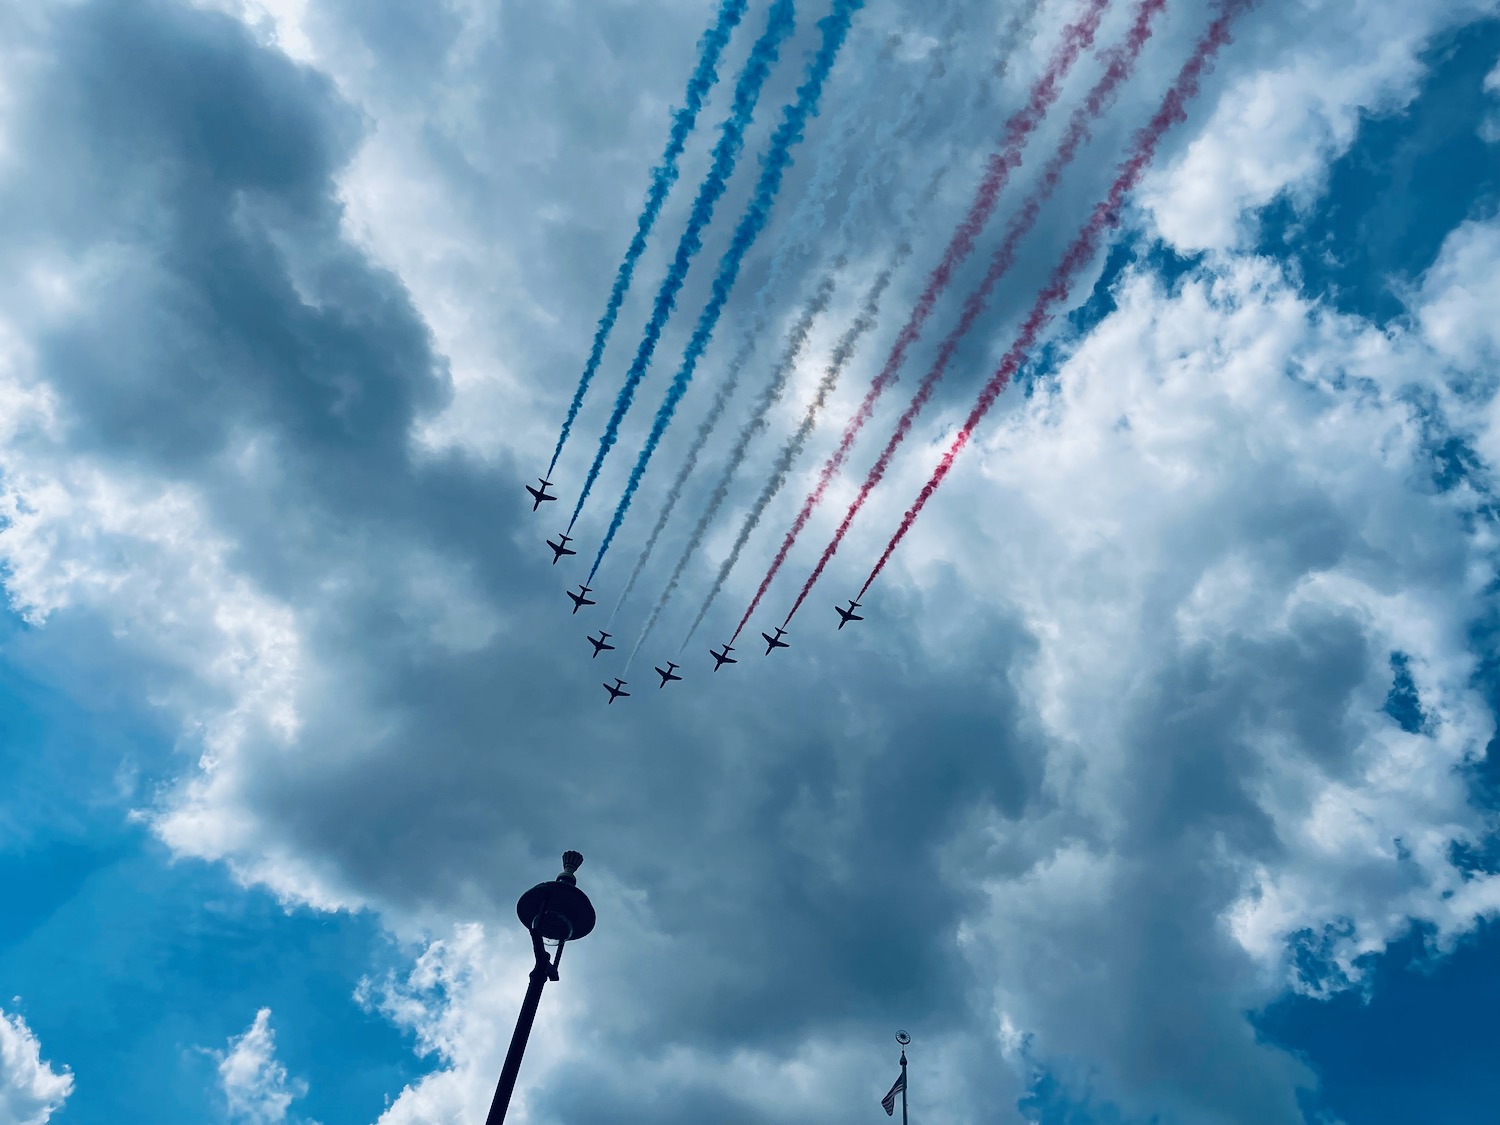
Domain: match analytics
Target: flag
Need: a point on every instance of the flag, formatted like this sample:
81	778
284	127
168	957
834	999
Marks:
888	1103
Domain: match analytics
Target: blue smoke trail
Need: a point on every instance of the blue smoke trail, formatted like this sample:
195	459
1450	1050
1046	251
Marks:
810	218
710	47
834	28
815	210
763	56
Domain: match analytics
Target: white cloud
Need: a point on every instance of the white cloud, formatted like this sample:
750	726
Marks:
30	1090
257	1089
278	23
1489	128
1216	523
455	1001
1455	309
1456	302
1277	126
1145	632
460	1001
80	539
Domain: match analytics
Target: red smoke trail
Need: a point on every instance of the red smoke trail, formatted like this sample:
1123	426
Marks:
1077	37
1106	214
1119	63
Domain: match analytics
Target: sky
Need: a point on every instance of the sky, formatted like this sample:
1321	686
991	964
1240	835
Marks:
1159	784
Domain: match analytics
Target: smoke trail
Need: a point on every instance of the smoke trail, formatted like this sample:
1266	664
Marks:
727	387
689	463
796	341
805	222
1119	62
1019	27
1171	112
710	47
816	304
1077	38
782	467
808	218
763	56
834	28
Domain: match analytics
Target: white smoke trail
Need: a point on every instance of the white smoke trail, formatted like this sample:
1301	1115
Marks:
782	467
809	219
796	341
1017	31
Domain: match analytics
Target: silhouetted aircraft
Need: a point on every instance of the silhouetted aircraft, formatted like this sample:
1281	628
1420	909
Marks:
722	658
539	494
668	674
615	692
560	548
581	598
776	641
848	615
599	645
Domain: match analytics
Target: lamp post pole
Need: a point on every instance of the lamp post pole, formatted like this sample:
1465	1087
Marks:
558	912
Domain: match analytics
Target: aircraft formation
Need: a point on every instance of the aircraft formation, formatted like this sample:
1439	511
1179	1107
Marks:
832	201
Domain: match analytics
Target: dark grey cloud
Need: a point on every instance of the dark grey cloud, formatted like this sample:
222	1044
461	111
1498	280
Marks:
810	833
234	312
227	302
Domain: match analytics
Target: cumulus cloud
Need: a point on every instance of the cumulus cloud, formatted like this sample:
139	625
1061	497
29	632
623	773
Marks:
1489	128
30	1090
455	1002
1220	521
1107	765
257	1089
1322	66
459	1001
1451	304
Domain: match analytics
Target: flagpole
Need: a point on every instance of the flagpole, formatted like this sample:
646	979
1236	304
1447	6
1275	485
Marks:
903	1039
903	1086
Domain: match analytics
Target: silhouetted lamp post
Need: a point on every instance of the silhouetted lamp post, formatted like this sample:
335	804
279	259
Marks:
551	912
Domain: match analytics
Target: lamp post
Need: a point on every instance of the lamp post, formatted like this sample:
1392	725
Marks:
557	912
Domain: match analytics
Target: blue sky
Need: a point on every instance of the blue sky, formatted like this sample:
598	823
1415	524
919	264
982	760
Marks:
141	966
1158	785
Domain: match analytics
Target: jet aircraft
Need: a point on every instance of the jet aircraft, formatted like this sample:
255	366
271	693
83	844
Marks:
538	495
560	548
581	598
776	641
848	615
669	673
615	692
722	658
599	645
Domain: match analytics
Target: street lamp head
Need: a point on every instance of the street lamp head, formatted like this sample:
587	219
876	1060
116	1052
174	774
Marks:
553	913
558	911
